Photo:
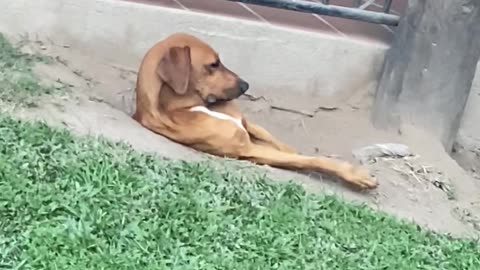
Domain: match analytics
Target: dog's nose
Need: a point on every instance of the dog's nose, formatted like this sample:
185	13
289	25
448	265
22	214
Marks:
243	85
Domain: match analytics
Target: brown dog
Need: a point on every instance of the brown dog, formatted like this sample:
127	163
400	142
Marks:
185	93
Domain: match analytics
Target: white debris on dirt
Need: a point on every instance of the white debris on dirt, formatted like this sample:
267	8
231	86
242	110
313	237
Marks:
411	167
369	153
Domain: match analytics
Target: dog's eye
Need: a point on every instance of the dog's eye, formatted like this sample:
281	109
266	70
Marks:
215	65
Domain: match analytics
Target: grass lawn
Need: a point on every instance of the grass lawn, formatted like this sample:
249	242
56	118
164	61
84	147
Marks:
79	203
83	203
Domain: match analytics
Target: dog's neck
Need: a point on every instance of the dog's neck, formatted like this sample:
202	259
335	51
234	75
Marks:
170	101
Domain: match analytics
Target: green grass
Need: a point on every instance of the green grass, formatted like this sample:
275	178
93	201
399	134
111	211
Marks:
18	83
80	203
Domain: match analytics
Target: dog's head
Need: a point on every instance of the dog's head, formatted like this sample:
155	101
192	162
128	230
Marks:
191	67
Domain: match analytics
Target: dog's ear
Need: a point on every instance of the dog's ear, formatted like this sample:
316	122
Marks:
175	67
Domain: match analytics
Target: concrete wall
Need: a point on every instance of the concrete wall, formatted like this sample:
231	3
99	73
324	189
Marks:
469	134
269	57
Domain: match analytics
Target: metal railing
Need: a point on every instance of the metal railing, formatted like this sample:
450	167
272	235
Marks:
323	7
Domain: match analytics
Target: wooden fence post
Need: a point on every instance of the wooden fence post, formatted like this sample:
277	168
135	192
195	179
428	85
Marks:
429	69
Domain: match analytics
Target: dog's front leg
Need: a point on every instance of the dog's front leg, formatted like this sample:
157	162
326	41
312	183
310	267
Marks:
263	135
268	156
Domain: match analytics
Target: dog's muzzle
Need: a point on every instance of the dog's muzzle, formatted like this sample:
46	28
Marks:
243	85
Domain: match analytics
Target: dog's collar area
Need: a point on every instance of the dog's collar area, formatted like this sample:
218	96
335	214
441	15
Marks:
216	102
211	99
218	115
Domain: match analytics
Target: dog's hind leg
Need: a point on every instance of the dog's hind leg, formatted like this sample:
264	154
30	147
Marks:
268	156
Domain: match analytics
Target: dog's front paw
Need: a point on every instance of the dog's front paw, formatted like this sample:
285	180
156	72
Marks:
359	177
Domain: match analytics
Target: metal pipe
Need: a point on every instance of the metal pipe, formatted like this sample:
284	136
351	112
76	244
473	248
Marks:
387	5
328	10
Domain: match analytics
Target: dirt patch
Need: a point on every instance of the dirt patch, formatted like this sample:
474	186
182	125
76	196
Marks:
428	188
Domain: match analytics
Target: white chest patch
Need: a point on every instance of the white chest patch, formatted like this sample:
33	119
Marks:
218	115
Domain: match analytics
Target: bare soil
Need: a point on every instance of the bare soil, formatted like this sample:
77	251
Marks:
429	188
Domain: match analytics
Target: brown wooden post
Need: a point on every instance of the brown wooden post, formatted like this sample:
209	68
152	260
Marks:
428	71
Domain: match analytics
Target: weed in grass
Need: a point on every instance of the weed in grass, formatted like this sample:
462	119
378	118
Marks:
72	203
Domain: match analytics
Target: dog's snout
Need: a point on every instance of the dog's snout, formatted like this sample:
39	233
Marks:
243	85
